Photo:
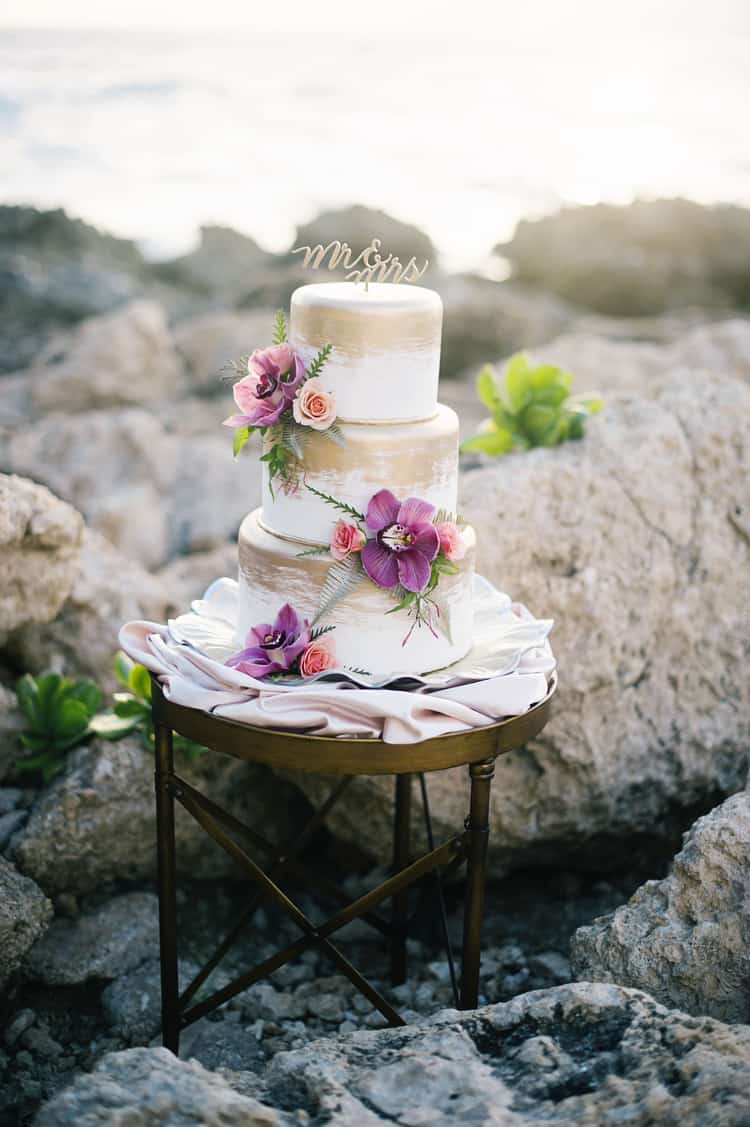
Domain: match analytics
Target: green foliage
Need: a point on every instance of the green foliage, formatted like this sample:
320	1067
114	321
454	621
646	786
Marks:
279	327
58	712
317	365
62	713
132	709
530	406
241	435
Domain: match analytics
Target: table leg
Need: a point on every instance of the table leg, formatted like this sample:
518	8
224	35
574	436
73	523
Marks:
400	912
165	847
479	830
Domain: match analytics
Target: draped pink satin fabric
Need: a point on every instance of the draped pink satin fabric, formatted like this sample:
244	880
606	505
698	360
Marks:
194	680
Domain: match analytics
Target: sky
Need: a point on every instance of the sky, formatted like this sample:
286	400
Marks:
427	17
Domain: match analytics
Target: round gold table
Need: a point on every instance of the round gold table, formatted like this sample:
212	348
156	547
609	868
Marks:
477	748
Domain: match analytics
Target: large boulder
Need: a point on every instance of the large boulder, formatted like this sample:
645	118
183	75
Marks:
119	359
483	319
220	267
685	939
574	1054
95	824
55	270
613	365
153	488
113	465
141	1087
108	590
641	258
209	343
105	943
636	542
25	913
40	542
580	1054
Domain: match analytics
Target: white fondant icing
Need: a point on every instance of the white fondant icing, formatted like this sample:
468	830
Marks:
385	359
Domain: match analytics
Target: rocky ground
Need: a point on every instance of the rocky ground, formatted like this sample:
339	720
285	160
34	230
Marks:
119	499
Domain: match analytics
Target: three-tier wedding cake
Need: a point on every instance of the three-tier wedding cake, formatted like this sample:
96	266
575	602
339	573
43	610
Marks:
357	542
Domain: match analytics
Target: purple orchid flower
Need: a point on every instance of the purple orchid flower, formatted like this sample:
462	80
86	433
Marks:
273	648
405	544
274	374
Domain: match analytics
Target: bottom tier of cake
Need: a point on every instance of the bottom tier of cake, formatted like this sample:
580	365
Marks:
366	637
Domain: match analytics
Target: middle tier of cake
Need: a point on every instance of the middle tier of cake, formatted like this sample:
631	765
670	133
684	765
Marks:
418	459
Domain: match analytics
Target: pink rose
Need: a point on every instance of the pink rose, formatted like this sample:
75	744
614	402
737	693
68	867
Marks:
345	539
451	540
319	656
313	406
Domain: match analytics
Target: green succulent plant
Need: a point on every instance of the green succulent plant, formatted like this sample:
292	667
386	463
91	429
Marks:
531	406
62	713
58	712
132	709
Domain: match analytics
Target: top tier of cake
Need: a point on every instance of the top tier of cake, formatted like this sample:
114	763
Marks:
386	356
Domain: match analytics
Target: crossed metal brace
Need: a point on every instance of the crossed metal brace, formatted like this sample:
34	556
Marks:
471	845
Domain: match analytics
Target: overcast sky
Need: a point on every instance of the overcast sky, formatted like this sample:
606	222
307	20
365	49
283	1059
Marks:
493	17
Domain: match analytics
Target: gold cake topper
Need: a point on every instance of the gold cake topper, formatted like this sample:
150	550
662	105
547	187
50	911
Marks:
372	267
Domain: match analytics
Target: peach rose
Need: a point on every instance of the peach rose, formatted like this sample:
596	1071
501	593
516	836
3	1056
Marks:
313	406
451	540
319	656
345	539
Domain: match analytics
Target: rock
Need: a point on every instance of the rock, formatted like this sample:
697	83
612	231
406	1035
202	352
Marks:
187	577
105	943
121	359
685	939
132	1003
114	466
632	366
40	539
56	270
207	344
11	724
9	823
357	225
139	1087
212	493
220	267
95	824
636	541
25	913
108	591
583	1053
152	492
641	258
484	319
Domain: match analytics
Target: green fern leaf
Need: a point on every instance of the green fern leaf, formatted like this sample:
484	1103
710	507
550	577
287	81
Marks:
317	365
279	327
343	576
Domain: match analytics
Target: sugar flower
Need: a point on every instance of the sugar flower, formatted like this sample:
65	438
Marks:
313	406
318	657
272	379
451	541
405	544
345	539
273	648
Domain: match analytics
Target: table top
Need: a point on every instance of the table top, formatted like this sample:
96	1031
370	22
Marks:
347	756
